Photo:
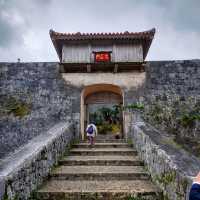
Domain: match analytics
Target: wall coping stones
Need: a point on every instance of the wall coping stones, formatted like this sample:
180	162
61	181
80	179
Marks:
22	171
171	167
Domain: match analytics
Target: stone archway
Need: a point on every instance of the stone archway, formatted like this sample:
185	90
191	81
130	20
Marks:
91	93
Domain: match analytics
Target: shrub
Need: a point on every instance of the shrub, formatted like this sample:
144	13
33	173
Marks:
14	106
177	116
104	128
115	128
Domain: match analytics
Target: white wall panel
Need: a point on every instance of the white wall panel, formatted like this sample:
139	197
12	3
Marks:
83	53
128	53
76	54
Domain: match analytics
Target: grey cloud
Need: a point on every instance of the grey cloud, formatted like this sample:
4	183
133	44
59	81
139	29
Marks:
182	14
7	34
177	21
10	33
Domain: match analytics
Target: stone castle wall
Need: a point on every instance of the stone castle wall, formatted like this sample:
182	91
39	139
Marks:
41	87
173	77
53	98
26	169
171	167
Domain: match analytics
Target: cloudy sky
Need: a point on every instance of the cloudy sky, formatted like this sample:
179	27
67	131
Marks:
25	24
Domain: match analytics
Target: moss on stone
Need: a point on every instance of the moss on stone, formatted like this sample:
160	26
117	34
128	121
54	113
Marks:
171	142
12	105
135	198
184	184
33	195
130	141
166	178
5	196
179	118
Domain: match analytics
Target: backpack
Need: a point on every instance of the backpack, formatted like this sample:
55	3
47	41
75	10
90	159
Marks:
90	129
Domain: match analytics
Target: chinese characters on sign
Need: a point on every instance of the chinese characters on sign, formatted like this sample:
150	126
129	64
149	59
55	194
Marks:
102	56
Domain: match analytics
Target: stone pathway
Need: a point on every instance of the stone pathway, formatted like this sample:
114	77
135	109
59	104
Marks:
109	171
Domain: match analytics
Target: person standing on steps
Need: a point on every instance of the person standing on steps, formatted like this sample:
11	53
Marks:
91	131
195	189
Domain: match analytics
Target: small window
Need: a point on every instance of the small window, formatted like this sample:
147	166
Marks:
102	56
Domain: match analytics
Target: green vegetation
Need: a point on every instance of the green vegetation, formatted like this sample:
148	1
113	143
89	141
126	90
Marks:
11	105
188	119
33	195
109	128
134	106
166	178
171	142
5	196
104	114
130	141
135	198
174	113
179	117
108	120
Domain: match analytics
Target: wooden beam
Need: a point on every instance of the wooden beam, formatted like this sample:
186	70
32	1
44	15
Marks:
115	68
88	68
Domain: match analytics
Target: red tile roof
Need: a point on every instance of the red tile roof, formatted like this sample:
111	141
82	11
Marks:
98	36
144	37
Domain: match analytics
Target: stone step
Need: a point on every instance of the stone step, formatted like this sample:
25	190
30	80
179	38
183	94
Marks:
98	190
107	141
103	151
120	160
99	173
103	145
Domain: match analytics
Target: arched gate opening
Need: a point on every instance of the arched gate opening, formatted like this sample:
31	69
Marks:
105	98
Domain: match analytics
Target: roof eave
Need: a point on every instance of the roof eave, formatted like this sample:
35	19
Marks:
56	46
147	36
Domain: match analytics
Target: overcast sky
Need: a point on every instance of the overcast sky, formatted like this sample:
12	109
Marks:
25	24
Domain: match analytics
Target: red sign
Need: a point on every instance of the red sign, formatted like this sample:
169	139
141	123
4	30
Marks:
102	56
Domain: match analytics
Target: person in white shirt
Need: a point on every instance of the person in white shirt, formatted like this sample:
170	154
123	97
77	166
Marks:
91	132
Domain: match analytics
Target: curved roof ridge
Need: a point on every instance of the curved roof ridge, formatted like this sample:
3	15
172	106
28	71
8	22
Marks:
114	34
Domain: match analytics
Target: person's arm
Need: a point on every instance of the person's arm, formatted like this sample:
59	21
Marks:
195	189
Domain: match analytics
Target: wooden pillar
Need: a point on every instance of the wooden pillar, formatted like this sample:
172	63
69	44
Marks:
88	68
142	67
115	68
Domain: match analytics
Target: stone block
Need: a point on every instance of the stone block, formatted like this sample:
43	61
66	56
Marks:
171	168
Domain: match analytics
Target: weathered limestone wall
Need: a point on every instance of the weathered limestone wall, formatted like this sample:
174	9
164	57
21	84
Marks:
171	168
54	97
27	168
172	77
41	86
173	97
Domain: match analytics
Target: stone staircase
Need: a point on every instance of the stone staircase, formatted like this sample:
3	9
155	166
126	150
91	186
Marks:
109	171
